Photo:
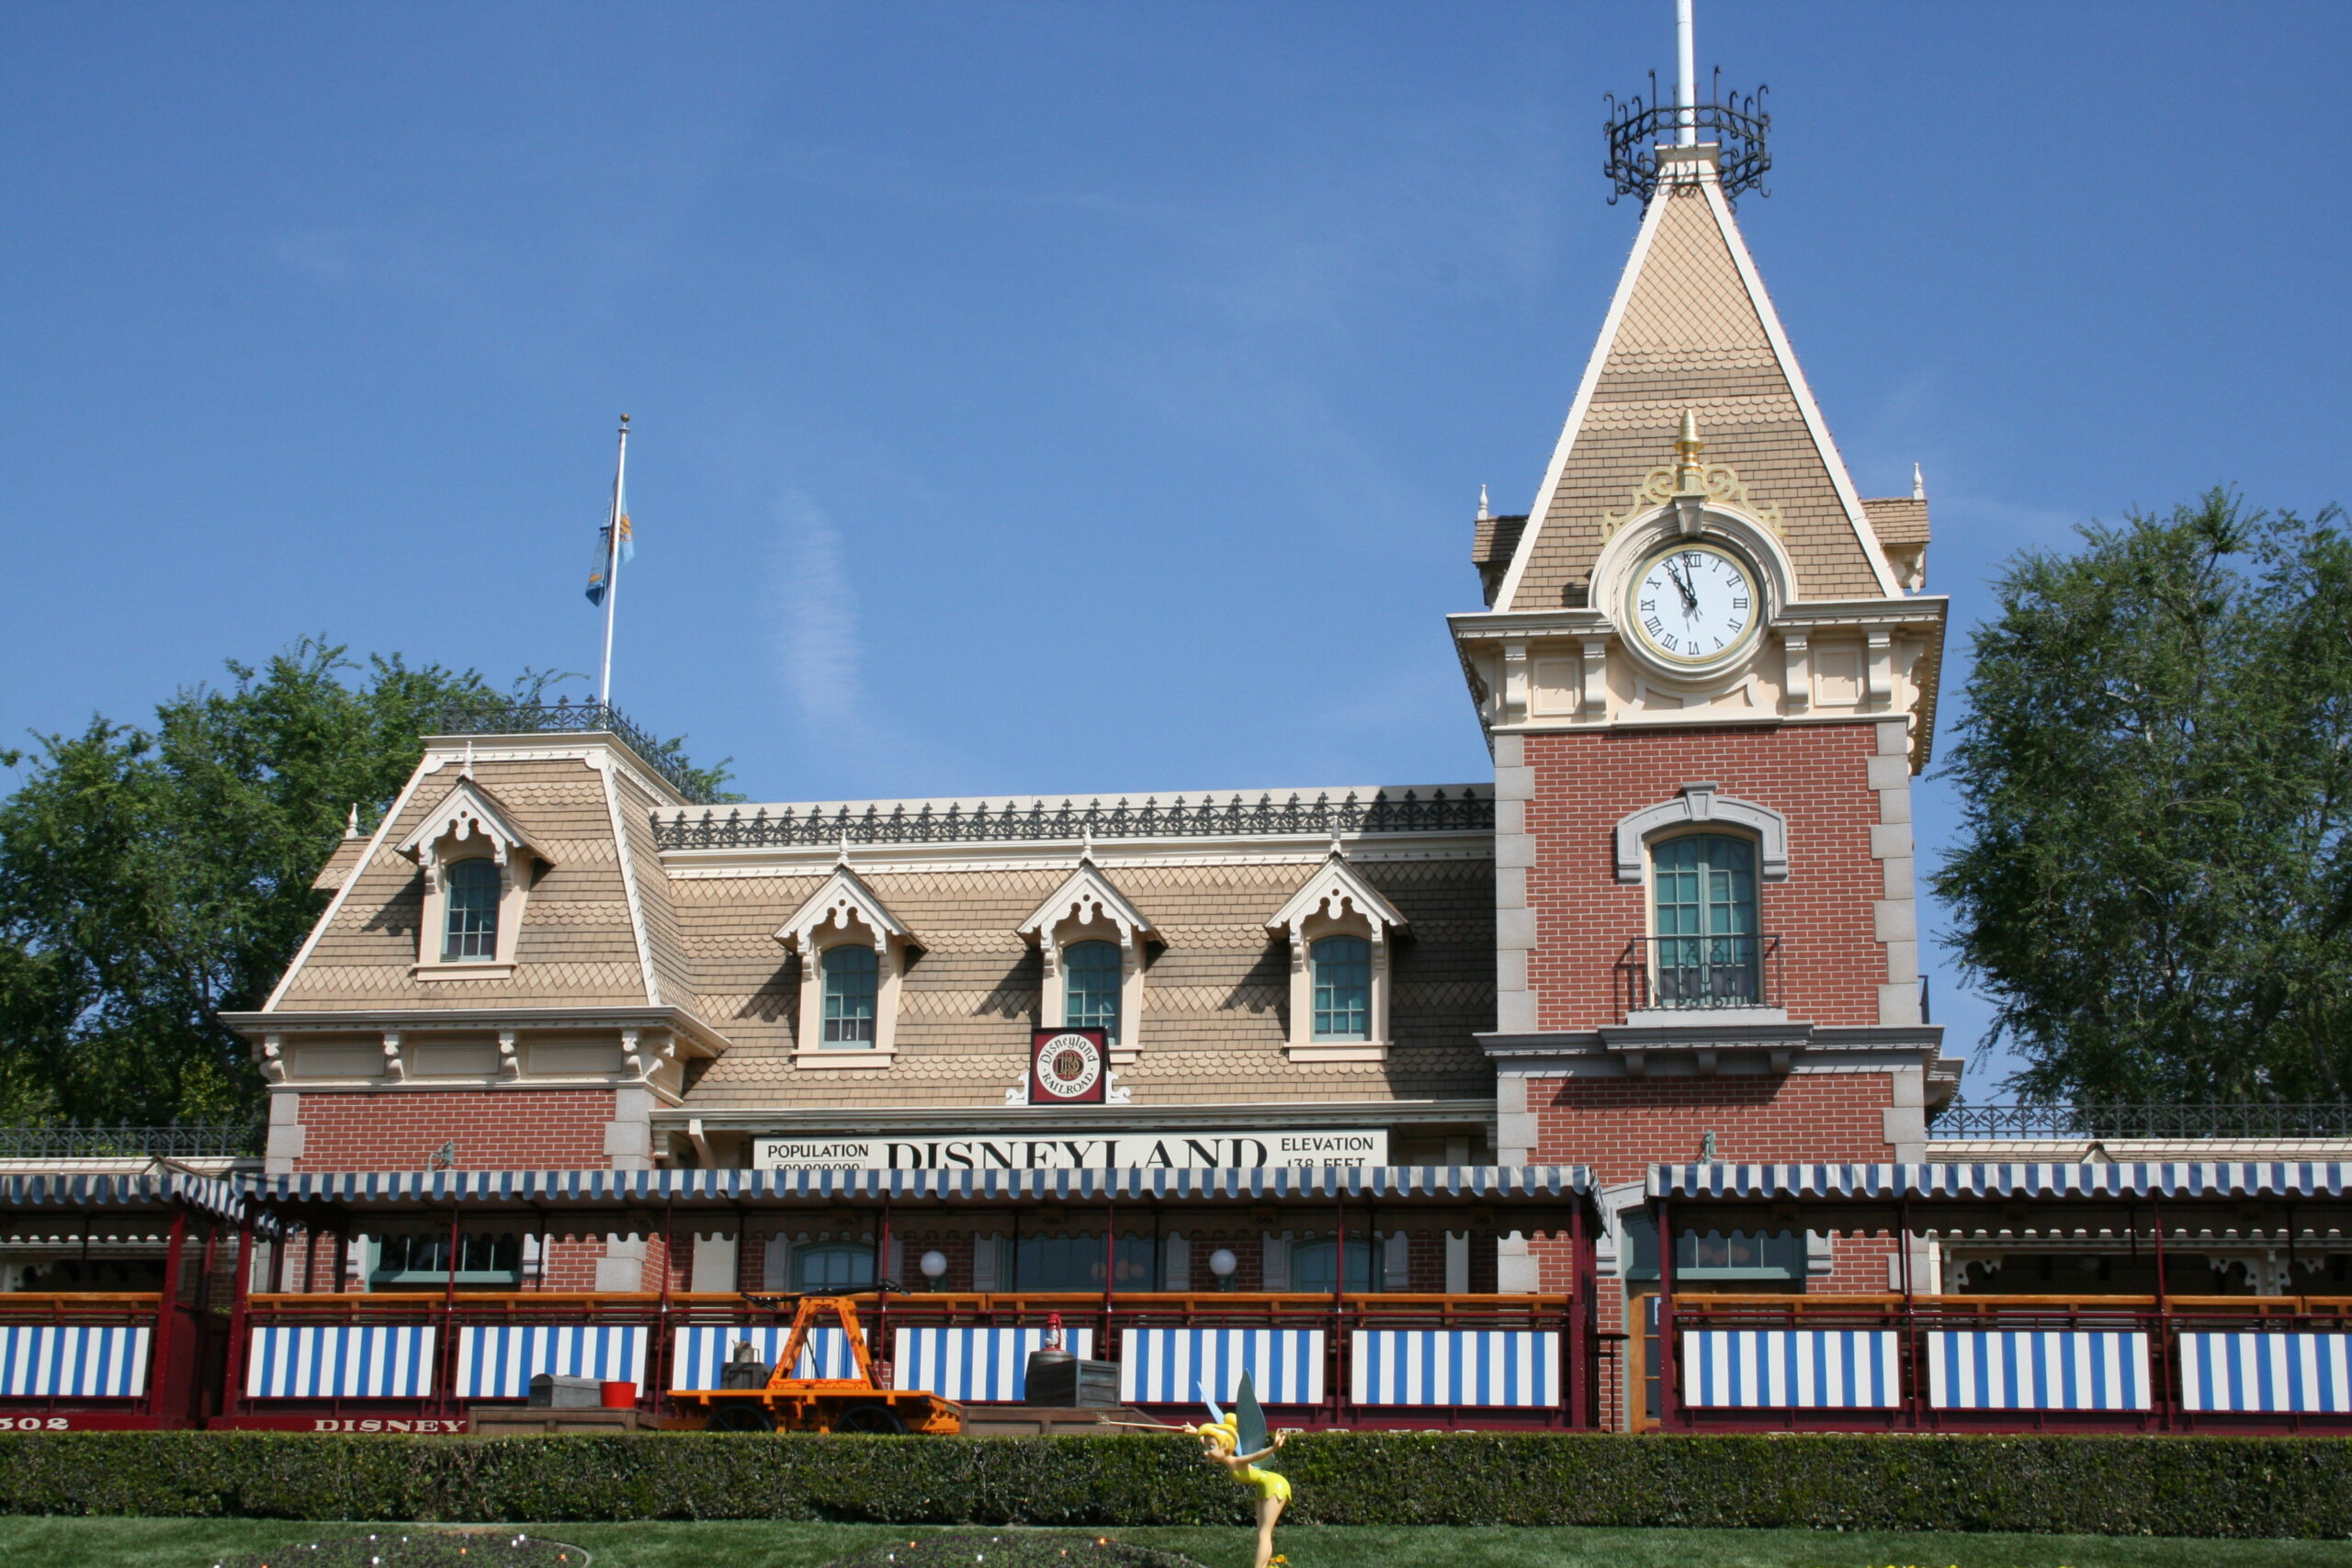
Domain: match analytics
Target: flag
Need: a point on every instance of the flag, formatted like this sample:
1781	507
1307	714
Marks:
602	574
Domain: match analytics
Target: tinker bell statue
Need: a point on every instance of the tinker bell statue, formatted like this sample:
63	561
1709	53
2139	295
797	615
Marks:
1239	1441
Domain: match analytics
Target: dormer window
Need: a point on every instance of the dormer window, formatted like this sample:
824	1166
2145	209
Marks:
479	867
852	975
469	930
1090	949
1340	929
853	952
1342	988
1091	987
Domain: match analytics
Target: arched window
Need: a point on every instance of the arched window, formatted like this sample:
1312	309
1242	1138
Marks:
833	1266
1704	901
469	930
1342	988
852	973
1091	987
1314	1265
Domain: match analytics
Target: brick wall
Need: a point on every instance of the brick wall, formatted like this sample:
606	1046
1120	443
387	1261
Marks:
557	1128
1830	964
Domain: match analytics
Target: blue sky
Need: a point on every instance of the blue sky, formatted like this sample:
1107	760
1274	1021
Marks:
1048	397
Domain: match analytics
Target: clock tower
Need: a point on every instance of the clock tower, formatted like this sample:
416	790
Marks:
1708	676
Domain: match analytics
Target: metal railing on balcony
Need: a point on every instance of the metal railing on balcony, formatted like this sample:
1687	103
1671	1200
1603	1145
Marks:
1673	973
181	1139
2142	1121
560	717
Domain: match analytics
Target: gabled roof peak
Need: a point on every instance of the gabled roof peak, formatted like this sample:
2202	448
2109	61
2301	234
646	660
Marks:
1087	896
1692	331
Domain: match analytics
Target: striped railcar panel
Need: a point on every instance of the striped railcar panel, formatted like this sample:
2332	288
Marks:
498	1361
74	1361
1184	1366
2266	1373
1772	1369
310	1362
980	1365
1498	1368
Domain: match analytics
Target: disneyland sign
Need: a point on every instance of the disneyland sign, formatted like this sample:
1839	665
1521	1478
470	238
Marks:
1119	1151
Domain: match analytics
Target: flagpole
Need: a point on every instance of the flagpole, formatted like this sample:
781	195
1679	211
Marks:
613	566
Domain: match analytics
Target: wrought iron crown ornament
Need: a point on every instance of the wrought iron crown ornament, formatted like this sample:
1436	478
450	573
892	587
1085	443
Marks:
1205	818
1736	123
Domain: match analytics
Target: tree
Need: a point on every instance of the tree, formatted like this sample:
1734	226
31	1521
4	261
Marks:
2154	881
151	880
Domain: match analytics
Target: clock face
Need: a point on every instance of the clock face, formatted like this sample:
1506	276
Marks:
1695	604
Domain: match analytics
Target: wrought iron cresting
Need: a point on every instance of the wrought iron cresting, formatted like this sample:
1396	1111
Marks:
181	1139
2118	1120
562	717
1204	817
1736	123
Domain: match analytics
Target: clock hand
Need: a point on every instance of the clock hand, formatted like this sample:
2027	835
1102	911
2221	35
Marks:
1690	600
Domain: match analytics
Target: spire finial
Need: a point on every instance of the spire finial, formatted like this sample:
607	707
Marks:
1483	514
351	823
1918	483
1687	448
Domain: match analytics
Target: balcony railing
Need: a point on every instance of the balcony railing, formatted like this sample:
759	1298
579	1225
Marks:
1675	973
181	1139
2142	1121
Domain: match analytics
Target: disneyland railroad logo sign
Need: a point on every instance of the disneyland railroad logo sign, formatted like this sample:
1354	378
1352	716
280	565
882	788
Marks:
1068	1066
1190	1150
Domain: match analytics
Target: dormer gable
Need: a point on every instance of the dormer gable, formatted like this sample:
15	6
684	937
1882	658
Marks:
449	832
1084	899
1336	890
1086	909
844	902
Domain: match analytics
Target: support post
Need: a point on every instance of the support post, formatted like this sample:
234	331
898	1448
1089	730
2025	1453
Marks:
232	1373
2163	1346
1110	1254
167	1312
1669	1405
1579	1339
662	1334
874	1352
448	1356
1914	1377
1338	1293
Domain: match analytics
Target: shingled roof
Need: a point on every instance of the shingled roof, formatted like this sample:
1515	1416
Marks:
1692	328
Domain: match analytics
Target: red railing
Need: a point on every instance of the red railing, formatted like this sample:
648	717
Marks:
1338	1315
2163	1319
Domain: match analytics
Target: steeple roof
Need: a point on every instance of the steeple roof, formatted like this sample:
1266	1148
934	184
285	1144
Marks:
1692	328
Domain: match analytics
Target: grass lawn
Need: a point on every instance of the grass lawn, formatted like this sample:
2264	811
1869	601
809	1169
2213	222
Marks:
195	1543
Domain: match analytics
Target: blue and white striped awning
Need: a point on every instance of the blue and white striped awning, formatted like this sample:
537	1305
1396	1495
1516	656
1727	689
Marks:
2219	1179
93	1190
635	1188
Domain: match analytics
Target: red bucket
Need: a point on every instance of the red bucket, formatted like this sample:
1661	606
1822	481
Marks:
620	1396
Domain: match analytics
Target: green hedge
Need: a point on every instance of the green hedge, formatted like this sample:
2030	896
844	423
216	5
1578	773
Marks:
2176	1486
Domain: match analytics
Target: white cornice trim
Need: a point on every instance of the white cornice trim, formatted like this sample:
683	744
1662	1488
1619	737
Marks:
334	905
1084	897
843	898
628	885
1541	513
1824	447
1334	886
466	809
1700	802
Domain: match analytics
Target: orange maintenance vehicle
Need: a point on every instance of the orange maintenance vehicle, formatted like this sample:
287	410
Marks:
778	1402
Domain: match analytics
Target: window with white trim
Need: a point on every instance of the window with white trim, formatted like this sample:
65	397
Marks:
1342	967
852	980
469	923
1091	979
1704	922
